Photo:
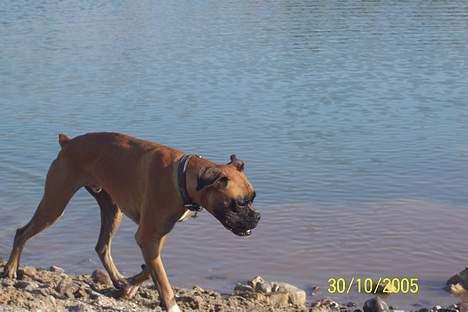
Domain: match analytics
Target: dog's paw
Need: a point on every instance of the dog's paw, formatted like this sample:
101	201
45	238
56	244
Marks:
120	283
7	273
129	291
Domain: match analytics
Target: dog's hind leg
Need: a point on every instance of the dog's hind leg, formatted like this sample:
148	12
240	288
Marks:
111	217
60	186
134	282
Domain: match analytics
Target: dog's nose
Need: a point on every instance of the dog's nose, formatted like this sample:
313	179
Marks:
257	217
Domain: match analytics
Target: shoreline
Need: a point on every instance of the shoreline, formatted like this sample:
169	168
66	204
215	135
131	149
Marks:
38	289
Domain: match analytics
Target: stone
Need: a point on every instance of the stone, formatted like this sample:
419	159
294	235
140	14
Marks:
8	282
80	307
198	302
93	294
240	288
30	271
325	305
41	291
314	290
218	307
278	299
256	280
56	269
264	287
81	292
376	304
461	278
28	286
463	306
297	296
100	277
67	288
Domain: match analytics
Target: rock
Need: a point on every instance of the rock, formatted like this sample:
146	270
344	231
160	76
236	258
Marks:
463	306
376	304
67	288
256	280
93	294
197	302
56	269
30	271
80	307
263	287
100	277
314	290
8	282
452	308
460	279
240	288
28	286
297	296
218	307
41	291
197	289
52	300
325	305
259	284
278	299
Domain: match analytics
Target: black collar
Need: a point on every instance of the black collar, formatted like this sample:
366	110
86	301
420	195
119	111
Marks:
182	183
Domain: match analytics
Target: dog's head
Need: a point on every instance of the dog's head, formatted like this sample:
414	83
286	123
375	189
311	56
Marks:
227	194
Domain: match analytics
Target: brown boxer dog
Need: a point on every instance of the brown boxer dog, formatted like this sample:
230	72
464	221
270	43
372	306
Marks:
152	184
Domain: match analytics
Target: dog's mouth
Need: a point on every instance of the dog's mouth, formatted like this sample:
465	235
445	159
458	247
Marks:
240	225
242	233
239	232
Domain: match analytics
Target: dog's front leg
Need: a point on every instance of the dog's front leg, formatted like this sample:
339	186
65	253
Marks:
151	249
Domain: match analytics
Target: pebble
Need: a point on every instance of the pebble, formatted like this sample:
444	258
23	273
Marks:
314	290
278	299
101	277
376	304
296	296
30	271
325	305
240	288
28	286
7	282
67	288
53	290
56	269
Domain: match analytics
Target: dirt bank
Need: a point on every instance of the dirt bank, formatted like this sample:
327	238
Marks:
52	289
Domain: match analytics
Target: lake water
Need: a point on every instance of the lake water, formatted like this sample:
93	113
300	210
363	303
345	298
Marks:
351	117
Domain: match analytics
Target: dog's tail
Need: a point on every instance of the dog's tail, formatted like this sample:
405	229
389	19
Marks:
63	139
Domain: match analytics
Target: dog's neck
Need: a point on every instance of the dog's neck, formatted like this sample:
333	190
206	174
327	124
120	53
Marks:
191	179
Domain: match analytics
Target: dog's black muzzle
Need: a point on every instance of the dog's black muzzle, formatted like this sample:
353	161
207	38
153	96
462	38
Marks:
240	221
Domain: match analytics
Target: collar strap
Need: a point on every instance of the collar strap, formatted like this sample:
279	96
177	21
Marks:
182	183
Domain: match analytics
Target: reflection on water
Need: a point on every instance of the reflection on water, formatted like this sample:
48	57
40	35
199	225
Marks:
351	118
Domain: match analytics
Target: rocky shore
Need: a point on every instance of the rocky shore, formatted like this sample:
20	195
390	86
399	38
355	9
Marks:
52	289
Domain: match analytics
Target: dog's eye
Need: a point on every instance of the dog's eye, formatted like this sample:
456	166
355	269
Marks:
253	196
233	205
244	202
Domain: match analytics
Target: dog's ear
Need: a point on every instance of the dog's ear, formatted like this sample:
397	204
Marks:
236	162
211	176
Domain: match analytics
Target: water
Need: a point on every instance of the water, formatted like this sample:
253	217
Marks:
351	118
